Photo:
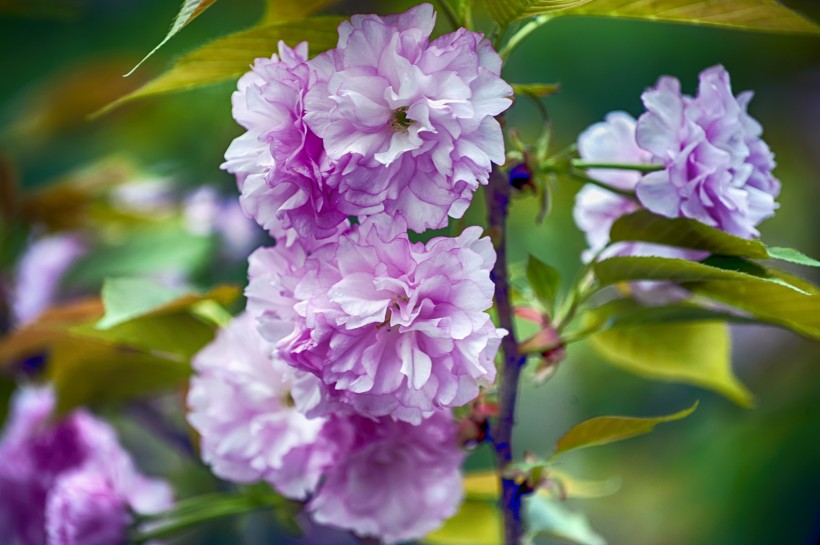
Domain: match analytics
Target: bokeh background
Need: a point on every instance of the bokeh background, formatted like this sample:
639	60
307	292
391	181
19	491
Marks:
724	476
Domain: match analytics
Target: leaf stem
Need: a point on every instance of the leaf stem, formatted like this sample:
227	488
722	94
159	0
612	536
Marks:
583	177
498	199
195	512
521	34
577	163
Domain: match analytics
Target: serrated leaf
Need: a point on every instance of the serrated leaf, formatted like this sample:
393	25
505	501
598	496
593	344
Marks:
760	15
645	226
231	56
544	516
476	523
697	353
190	10
792	256
774	298
537	90
544	281
603	430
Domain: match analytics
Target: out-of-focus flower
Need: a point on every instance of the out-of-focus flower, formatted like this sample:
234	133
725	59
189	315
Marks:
411	122
390	327
241	404
718	170
280	164
84	508
36	456
391	480
39	273
205	212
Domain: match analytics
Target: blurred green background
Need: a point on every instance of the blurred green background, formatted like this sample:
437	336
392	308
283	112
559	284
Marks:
725	476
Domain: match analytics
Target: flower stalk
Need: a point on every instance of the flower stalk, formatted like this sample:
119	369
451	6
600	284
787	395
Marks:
498	199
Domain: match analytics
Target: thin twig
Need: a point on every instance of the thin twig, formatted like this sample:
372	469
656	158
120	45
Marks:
522	33
498	198
617	166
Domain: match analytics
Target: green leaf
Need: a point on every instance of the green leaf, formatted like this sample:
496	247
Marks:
85	372
761	15
545	516
146	251
630	313
277	11
697	353
544	281
229	57
537	90
476	523
775	298
190	10
128	298
507	11
792	256
603	430
645	226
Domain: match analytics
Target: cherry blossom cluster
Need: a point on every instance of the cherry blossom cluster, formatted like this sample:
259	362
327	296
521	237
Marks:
68	482
337	384
716	168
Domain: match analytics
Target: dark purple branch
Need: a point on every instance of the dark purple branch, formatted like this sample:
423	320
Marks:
498	200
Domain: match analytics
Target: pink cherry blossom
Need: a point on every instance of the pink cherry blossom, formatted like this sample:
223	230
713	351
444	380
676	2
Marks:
412	121
241	404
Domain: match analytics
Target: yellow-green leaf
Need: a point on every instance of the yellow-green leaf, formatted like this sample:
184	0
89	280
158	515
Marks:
536	90
603	430
761	15
477	523
769	295
291	10
645	226
507	11
190	10
85	372
129	298
548	517
231	56
697	353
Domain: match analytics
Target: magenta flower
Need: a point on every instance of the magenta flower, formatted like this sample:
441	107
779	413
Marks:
241	404
39	464
84	508
390	327
718	170
411	122
280	164
391	480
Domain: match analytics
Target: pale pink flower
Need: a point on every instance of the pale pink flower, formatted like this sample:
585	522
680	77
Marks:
411	122
280	164
391	480
241	404
390	327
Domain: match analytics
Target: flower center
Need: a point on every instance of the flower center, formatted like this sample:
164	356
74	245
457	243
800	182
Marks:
400	121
